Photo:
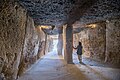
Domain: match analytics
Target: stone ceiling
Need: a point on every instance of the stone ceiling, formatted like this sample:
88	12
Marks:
59	12
55	12
102	10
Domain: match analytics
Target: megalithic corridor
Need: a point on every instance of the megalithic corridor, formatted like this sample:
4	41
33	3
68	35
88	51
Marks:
59	39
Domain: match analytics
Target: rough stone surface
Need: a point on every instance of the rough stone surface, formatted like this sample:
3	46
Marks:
19	41
59	12
97	41
113	41
41	42
68	43
102	42
50	44
82	37
60	44
21	45
56	12
102	10
12	31
31	46
41	49
93	41
43	11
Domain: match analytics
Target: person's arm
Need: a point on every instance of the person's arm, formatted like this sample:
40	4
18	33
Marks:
74	47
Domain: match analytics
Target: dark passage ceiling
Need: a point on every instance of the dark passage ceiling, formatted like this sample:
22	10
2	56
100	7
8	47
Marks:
59	12
55	12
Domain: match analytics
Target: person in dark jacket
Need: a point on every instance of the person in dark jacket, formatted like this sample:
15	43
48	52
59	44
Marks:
79	51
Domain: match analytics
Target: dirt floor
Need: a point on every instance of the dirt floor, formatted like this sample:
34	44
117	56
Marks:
53	67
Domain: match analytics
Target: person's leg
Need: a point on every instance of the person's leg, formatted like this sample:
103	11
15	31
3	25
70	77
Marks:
80	58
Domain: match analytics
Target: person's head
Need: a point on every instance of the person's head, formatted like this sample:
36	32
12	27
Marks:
80	43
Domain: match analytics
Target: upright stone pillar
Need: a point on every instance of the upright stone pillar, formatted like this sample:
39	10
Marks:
60	44
68	43
45	47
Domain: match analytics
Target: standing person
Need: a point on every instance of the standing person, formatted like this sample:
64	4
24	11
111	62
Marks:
79	51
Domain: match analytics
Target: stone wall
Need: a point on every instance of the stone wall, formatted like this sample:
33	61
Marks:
75	41
97	41
101	41
19	41
82	37
50	43
113	41
60	44
12	32
41	42
31	46
93	40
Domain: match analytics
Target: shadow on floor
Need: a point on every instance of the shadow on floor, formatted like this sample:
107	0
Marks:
95	71
91	62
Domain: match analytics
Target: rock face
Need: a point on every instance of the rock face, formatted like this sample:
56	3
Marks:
102	10
97	41
48	12
68	42
41	42
113	41
31	46
93	41
50	44
60	12
12	32
19	41
60	44
56	12
101	41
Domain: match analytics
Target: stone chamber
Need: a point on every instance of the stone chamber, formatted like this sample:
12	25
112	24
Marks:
27	27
